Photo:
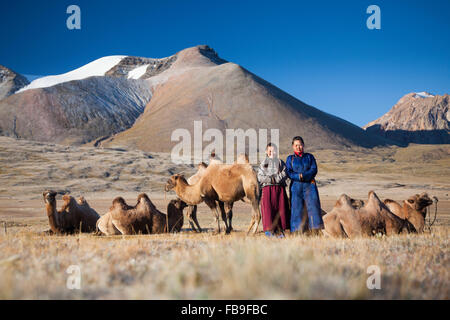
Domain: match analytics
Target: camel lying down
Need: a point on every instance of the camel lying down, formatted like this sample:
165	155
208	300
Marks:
74	216
349	219
414	210
143	218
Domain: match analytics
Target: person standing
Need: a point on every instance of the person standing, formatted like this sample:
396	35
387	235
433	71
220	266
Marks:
301	168
274	202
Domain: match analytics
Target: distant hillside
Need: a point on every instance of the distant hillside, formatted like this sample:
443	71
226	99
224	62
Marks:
223	95
138	102
416	118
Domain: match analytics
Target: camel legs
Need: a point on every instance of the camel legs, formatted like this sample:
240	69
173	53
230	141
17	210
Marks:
256	217
192	217
213	206
224	217
229	213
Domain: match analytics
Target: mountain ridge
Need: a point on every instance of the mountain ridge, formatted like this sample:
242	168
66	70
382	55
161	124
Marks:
417	117
168	94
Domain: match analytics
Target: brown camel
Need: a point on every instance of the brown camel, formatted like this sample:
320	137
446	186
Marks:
349	219
192	209
414	210
191	212
225	183
74	216
175	213
144	217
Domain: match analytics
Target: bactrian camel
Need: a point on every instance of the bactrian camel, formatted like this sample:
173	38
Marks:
191	211
414	210
225	183
143	218
349	219
74	216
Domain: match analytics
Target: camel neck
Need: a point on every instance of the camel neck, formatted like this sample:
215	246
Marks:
189	193
51	213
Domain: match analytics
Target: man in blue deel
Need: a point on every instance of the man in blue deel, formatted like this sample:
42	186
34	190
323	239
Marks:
301	168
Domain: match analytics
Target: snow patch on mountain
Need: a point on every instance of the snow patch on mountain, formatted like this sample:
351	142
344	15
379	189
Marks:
95	68
423	94
138	72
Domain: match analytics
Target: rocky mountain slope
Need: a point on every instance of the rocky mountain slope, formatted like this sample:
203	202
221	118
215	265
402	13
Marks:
200	86
10	82
415	118
136	102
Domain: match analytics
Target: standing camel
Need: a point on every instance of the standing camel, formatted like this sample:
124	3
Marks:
192	209
223	183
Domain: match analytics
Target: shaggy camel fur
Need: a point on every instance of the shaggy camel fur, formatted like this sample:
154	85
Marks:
143	218
347	218
74	216
223	183
414	210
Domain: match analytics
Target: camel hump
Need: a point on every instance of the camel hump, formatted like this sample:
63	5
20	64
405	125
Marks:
344	200
143	196
387	201
120	201
373	196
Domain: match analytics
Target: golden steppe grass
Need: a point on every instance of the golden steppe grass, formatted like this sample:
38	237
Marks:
186	266
206	266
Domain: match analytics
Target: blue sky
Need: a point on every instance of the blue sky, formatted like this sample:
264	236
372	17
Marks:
318	51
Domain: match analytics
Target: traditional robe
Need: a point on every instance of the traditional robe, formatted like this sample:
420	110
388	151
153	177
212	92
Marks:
272	178
302	169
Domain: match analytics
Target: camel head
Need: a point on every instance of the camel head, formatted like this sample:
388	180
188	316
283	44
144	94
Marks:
419	202
49	196
178	203
173	182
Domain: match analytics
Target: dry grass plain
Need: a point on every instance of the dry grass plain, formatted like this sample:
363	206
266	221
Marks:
207	266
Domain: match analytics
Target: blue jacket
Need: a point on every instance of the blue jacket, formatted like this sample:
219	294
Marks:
305	165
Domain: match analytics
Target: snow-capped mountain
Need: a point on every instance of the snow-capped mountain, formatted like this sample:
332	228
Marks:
10	82
96	68
423	94
138	102
418	117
